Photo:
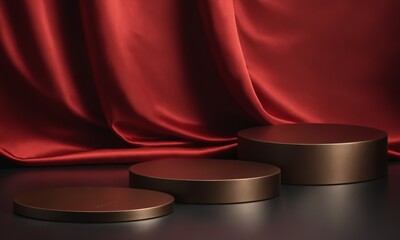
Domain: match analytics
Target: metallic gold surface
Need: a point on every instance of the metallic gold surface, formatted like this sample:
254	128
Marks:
314	154
93	204
208	181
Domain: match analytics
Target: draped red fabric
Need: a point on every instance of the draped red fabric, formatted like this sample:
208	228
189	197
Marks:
113	81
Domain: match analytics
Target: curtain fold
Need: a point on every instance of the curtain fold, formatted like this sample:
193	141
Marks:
117	81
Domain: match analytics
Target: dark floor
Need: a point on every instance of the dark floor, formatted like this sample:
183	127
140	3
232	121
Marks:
369	210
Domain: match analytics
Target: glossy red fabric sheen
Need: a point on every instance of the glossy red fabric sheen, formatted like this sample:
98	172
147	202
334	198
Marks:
117	81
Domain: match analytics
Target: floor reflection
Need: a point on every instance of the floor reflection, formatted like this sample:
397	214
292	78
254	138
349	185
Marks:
338	210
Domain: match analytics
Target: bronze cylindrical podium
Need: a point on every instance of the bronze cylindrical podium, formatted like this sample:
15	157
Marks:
93	204
314	154
208	181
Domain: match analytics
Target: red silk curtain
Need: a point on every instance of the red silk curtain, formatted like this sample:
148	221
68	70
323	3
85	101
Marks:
112	81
